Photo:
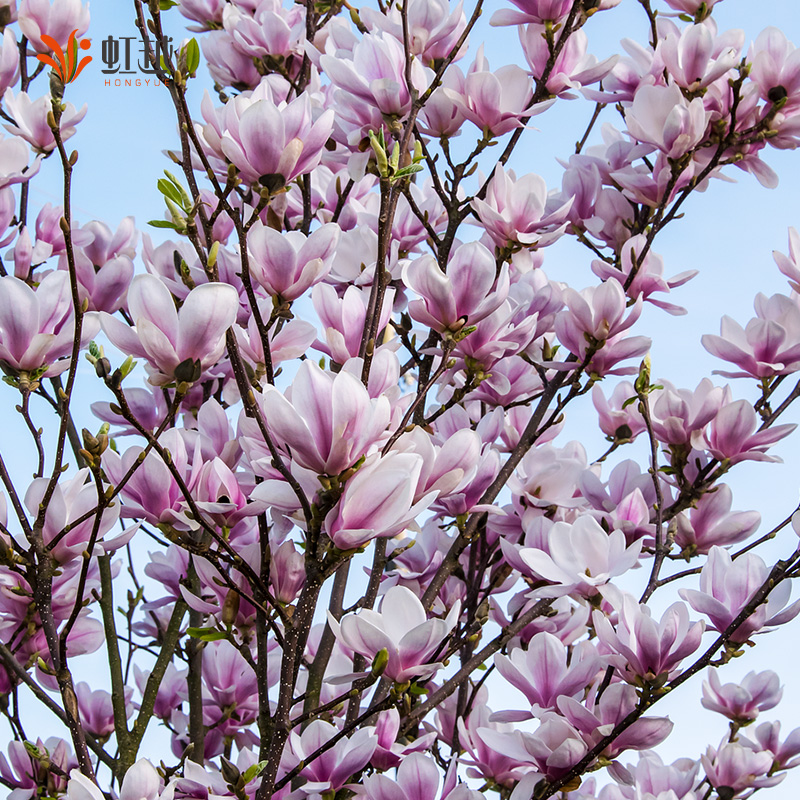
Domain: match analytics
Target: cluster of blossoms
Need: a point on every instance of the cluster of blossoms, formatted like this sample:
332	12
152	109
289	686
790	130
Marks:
321	374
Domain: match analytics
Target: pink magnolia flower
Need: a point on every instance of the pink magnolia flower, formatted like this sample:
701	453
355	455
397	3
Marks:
738	767
552	749
287	572
203	11
711	522
691	7
495	101
789	265
330	422
733	435
617	420
180	345
593	316
581	557
55	18
696	56
775	67
447	468
662	117
30	120
71	500
96	709
768	346
466	294
678	414
141	782
573	68
598	717
741	702
330	771
403	629
538	11
265	28
542	672
37	328
343	318
726	587
417	779
374	73
516	212
434	27
269	138
648	650
378	501
9	61
390	753
285	265
784	753
648	279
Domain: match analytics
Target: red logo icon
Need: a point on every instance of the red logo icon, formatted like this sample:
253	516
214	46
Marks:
66	66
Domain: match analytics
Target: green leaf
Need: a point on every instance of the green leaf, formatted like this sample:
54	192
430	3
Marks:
166	5
254	771
206	634
168	190
162	223
192	56
409	170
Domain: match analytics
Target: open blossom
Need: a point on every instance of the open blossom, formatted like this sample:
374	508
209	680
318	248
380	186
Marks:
600	714
434	28
617	420
741	702
287	264
330	771
378	501
180	345
54	18
543	675
661	116
375	74
733	435
711	522
71	501
573	68
330	422
495	101
649	650
776	66
265	29
417	779
581	557
678	414
403	629
696	56
594	315
270	139
738	767
768	346
516	211
141	782
552	749
727	586
466	294
30	120
37	328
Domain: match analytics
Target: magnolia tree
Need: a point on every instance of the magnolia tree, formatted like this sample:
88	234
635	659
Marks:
328	538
